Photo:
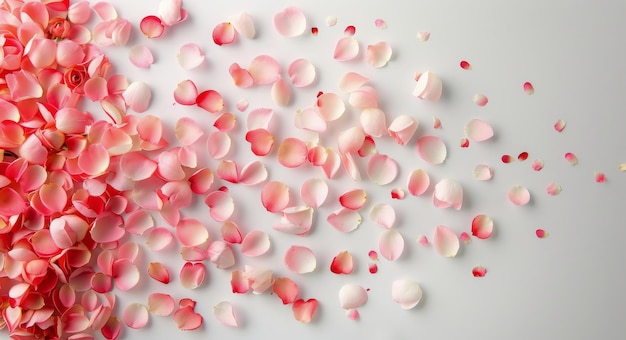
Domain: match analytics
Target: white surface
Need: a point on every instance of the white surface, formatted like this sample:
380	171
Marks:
569	285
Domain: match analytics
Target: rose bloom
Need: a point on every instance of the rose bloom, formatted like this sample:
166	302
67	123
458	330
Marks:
75	76
58	28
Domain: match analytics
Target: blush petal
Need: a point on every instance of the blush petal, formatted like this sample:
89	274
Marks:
483	172
259	119
255	243
478	130
382	169
347	48
286	290
244	24
553	189
290	22
253	173
406	293
518	195
159	272
482	226
192	275
419	181
221	205
300	259
379	54
224	34
383	214
190	56
373	122
292	152
480	99
432	149
261	141
225	313
137	96
428	87
135	315
275	196
314	192
353	199
350	140
345	220
391	245
301	72
448	193
352	296
446	242
187	131
264	70
186	319
403	128
210	100
280	92
190	232
304	311
161	304
330	106
141	56
218	144
343	263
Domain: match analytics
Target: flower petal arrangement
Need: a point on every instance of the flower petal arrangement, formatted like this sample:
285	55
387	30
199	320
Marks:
142	179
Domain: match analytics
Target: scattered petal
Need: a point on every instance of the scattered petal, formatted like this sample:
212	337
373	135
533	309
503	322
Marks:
522	156
192	275
383	214
186	319
464	143
352	296
161	304
218	144
244	24
553	189
372	268
151	26
331	21
506	159
483	172
330	106
261	142
210	100
275	196
159	272
571	158
465	65
518	195
350	140
286	290
301	72
379	54
428	87
422	240
347	48
599	177
342	263
264	70
314	192
290	22
380	23
137	96
190	232
391	244
403	128
255	243
225	313
224	34
482	226
423	36
541	233
528	88
432	149
345	220
141	56
478	130
304	311
353	199
445	241
351	82
253	173
465	238
479	271
559	126
292	153
350	30
397	194
480	99
190	56
436	123
406	293
221	205
382	169
281	94
300	260
373	122
537	164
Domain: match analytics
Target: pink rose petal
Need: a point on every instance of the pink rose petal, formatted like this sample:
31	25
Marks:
571	158
600	177
290	22
225	122
342	263
330	106
448	193
397	194
483	172
445	241
225	313
137	96
259	119
553	189
403	128
391	245
210	100
304	311
228	171
314	192
190	232
141	56
261	142
286	290
192	275
347	48
419	181
383	214
186	93
186	319
480	99
187	131
518	195
373	122
264	70
350	140
309	119
406	293
381	169
478	130
528	88
126	274
135	315
292	152
244	25
301	72
255	243
465	65
224	34
218	144
379	54
161	304
345	220
190	56
241	77
423	36
482	226
351	81
221	205
479	271
353	199
540	233
296	220
200	181
159	272
559	126
428	87
275	196
432	149
300	259
280	92
352	296
253	173
151	26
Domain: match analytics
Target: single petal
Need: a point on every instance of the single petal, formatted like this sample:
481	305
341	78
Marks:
187	131
432	149
314	192
352	296
379	54
210	100
383	214
428	87
600	177
331	21
368	148
190	56
391	245
445	241
331	163
300	259
330	106
518	195
192	275
141	56
227	170
186	319
290	22
397	194
351	82
403	128
221	254
261	141
347	48
200	181
126	274
225	122
522	156
406	293
480	99
190	232
241	77
482	226
151	26
353	199
280	92
259	119
150	129
342	263
559	126
94	160
255	243
419	181
483	172
161	304
422	240
221	205
553	189
137	96
286	290
479	271
478	130
186	93
465	238
540	233
345	220
373	122
507	159
275	196
264	70
170	11
528	88
225	313
253	173
137	166
296	220
138	222
224	33
159	272
465	65
135	315
381	169
304	311
537	164
350	140
218	144
244	24
448	193
571	158
301	73
292	152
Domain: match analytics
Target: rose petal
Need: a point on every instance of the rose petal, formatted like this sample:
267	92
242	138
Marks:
423	36
309	119
314	192
159	272
482	226
428	87
141	56
275	196
350	140
347	48
190	232
210	100
255	243
379	54
483	172
264	70
383	214
391	245
330	106
286	290
518	195
135	315
290	22
446	242
403	128
241	77
345	220
225	313
478	130
301	72
373	122
225	122
218	144
161	304
261	142
406	293
292	152
227	170
480	99
479	271
192	275
253	173
553	189
352	296
571	158
126	274
381	169
151	26
351	82
296	220
342	263
432	149
304	311
540	233
281	94
244	24
300	260
186	319
419	181
448	193
224	34
599	177
190	56
528	88
353	199
221	205
137	96
559	126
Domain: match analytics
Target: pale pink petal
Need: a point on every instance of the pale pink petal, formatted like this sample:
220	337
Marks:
137	96
23	85
310	119
331	164
190	56
379	54
141	56
261	141
559	126
296	220
352	296
540	233
368	148
380	23
239	283
95	88
137	166
225	313
275	196
210	100
190	232
351	82
428	87
151	26
480	99
353	199
391	245
343	263
301	72
224	34
300	260
349	164
221	254
382	169
537	164
448	193
241	77
161	304
41	52
225	122
170	11
483	172
126	274
304	311
571	158
350	140
465	238
482	226
290	22
286	290
221	205
150	129
330	106
345	220
419	181
264	70
553	189
218	144
255	243
528	88
259	119
228	171
192	275
422	240
406	293
403	128
314	192
242	104
261	279
479	271
478	130
445	241
331	21
292	152
169	167
347	48
280	92
186	92
432	149
135	315
94	160
518	195
138	222
383	214
253	173
465	65
159	272
69	53
230	232
244	24
187	131
373	122
186	319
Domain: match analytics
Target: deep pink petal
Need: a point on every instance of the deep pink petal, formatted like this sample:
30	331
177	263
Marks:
304	311
353	199
151	26
211	101
186	92
482	226
343	263
186	319
224	34
159	272
221	205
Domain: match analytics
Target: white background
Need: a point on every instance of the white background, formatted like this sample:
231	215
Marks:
569	285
